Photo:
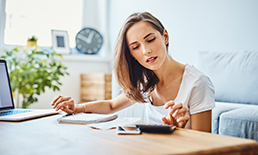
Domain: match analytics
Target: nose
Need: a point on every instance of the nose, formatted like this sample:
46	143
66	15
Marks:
146	50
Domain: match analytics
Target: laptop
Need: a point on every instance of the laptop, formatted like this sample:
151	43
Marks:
7	108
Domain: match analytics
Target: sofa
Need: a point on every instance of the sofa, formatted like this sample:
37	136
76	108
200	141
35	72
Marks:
235	79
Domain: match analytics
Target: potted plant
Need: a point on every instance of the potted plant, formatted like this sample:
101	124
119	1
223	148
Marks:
32	41
32	71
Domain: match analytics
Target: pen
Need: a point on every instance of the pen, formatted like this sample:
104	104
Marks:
67	115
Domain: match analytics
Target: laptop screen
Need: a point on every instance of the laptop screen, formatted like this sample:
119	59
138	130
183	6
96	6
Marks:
6	100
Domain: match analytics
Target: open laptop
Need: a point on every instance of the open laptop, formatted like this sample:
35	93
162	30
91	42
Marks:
7	109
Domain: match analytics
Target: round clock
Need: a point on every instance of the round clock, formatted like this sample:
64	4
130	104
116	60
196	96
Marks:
88	41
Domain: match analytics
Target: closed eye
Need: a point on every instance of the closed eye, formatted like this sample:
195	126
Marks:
151	40
134	48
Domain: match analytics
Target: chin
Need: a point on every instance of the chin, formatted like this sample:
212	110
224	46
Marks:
153	68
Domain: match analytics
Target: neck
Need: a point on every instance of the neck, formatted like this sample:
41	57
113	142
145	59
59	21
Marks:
170	70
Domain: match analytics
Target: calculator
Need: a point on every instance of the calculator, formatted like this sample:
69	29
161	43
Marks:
156	128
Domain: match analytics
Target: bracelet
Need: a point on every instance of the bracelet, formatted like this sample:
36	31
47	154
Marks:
84	108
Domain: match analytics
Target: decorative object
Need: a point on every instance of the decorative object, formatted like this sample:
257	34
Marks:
60	41
32	41
88	41
96	86
32	71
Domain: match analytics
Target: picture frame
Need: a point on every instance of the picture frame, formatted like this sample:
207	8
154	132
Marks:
60	41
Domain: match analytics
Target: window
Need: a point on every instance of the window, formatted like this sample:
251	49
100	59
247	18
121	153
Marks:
25	18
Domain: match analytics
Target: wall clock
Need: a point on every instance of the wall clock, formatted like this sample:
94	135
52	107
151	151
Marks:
88	41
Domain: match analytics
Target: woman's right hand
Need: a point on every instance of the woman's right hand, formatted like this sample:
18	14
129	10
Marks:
64	103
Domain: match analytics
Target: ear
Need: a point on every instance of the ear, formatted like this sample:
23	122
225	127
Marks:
165	34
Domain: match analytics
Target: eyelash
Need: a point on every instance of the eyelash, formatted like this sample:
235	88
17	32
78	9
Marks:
147	41
135	47
151	40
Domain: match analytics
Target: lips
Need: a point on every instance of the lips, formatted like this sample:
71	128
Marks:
151	59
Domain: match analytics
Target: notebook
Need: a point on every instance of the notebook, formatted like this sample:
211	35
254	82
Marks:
87	118
7	108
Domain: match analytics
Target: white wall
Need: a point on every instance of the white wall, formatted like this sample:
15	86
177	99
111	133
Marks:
95	15
195	25
71	84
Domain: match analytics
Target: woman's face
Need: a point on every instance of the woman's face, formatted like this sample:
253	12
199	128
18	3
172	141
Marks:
147	45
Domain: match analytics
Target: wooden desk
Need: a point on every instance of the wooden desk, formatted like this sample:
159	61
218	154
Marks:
45	136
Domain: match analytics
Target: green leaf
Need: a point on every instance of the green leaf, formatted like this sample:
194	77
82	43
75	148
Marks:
56	88
31	71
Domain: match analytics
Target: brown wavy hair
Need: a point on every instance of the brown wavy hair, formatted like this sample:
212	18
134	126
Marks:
133	78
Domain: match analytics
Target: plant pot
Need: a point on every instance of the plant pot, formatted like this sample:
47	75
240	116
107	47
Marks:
31	44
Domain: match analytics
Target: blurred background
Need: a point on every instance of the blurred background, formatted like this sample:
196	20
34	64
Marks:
193	26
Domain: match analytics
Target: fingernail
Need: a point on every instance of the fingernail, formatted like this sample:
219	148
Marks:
174	115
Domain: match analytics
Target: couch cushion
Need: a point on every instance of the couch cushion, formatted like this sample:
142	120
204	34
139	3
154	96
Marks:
220	108
241	122
234	75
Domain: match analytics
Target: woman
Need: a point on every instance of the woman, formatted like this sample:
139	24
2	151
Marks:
175	94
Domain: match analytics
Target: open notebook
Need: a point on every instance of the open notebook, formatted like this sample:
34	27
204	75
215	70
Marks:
7	109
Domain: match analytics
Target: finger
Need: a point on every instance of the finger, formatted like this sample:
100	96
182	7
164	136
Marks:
169	104
164	120
67	110
55	99
183	119
176	107
170	117
180	112
60	100
169	120
63	104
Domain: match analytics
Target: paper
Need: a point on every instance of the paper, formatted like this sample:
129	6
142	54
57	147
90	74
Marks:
125	121
83	118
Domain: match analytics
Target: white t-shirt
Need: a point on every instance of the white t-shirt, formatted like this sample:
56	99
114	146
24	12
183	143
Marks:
196	93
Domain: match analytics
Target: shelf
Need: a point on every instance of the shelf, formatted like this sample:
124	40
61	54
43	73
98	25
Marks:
77	56
88	58
102	56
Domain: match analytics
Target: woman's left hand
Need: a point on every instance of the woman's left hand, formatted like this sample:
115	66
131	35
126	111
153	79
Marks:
176	115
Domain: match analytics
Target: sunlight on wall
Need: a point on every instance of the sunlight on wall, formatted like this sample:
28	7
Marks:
29	17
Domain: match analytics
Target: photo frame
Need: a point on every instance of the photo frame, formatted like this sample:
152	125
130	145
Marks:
60	41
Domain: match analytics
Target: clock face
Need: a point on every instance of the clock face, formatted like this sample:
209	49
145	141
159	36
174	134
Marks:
88	41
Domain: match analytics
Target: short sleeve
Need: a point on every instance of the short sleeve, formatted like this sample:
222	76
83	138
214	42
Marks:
202	95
